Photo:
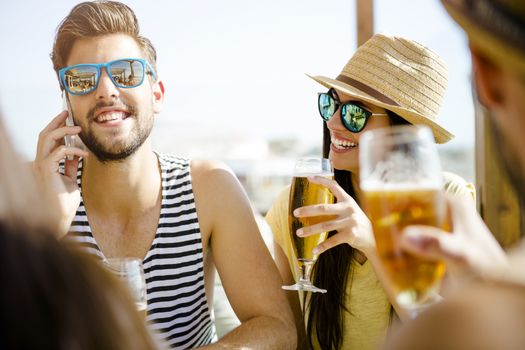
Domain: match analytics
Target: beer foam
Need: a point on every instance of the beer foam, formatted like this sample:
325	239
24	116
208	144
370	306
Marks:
325	174
403	186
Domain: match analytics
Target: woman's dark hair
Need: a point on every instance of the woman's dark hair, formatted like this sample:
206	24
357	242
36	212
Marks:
332	270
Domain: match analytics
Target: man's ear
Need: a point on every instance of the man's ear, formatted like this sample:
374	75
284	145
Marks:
158	96
488	78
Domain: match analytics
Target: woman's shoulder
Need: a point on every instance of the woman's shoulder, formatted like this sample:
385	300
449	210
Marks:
455	184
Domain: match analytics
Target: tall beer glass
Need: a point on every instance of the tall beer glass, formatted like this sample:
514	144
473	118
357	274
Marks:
400	176
304	193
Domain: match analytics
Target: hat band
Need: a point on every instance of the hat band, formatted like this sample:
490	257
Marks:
367	89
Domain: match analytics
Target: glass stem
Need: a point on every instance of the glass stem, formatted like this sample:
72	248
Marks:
306	270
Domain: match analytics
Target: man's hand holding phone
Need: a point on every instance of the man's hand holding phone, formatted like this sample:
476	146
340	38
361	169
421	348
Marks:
51	150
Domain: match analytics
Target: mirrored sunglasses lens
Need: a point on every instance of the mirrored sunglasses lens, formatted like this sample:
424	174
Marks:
354	117
327	106
81	79
127	73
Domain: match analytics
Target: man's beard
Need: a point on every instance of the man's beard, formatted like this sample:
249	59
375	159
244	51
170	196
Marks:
105	154
509	160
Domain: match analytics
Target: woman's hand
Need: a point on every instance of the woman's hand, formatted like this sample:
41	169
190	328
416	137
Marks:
352	225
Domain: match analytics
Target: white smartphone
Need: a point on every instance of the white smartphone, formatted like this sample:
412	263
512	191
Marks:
68	139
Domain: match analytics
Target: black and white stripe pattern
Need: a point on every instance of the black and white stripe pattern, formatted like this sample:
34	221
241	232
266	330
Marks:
177	305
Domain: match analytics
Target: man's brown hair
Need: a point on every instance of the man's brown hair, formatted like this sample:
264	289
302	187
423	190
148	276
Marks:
91	19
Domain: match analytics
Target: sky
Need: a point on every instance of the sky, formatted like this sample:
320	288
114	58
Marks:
230	67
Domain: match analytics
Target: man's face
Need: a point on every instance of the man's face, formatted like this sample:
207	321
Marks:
115	121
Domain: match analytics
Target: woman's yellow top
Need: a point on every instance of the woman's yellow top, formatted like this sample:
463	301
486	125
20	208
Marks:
366	323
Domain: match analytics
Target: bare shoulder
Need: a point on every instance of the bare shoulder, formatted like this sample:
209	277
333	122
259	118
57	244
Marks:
218	193
211	177
203	168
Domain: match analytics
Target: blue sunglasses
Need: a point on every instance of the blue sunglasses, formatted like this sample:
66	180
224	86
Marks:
81	79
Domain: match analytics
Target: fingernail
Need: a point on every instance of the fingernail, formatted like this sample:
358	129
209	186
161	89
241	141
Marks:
315	251
409	231
299	232
411	236
296	212
412	241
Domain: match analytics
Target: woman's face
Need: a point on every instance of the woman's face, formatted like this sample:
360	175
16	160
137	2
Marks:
344	144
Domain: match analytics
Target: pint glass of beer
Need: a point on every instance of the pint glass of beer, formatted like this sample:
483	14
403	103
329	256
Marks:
304	193
400	176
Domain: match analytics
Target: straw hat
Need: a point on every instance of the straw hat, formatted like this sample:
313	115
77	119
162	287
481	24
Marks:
399	75
495	27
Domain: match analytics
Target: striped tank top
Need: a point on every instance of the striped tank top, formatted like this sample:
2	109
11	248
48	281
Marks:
174	268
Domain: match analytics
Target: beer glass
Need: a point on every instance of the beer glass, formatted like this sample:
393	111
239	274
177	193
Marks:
304	193
131	272
401	181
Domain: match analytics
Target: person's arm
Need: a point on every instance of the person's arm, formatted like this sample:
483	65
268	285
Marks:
61	189
249	276
293	297
277	219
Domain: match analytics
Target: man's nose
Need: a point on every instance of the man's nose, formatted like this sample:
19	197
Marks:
106	88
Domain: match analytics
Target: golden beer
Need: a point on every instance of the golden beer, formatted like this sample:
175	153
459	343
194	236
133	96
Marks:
414	279
304	193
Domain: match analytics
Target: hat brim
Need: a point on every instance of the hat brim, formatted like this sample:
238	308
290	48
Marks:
441	135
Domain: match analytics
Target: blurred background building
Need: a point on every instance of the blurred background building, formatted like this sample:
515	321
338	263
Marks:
234	72
264	166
